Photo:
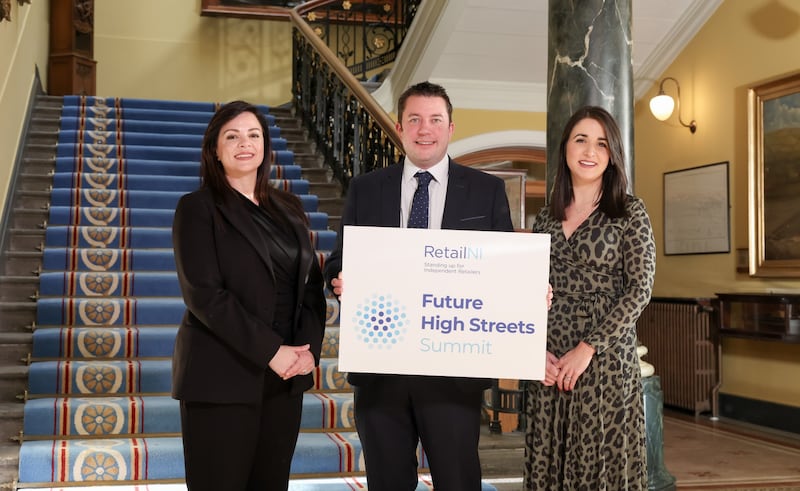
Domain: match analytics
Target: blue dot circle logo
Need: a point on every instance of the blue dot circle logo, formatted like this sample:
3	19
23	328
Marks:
380	322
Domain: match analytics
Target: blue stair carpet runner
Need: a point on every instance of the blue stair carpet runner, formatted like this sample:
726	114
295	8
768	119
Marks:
98	414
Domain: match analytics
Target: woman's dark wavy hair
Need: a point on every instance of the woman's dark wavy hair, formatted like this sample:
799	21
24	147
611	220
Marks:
615	185
212	174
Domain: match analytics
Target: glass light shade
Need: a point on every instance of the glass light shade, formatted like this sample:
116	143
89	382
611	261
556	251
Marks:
662	106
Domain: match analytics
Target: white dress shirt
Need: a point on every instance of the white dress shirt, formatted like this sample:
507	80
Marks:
437	191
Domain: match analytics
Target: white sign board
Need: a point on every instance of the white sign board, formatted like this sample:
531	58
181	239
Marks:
444	302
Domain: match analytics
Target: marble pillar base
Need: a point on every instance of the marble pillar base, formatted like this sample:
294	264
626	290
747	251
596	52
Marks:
658	477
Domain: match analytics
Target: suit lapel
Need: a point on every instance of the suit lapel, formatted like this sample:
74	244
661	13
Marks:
390	196
457	188
240	219
238	216
306	253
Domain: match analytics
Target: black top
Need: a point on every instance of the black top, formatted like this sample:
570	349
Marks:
284	251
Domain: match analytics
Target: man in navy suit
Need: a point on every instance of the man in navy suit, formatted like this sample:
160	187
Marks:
394	412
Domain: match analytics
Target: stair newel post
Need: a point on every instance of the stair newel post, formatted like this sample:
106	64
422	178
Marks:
71	69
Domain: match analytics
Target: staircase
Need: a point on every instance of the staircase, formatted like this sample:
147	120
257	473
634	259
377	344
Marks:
313	166
41	374
19	280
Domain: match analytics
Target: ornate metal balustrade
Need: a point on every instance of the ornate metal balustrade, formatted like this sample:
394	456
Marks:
364	34
353	132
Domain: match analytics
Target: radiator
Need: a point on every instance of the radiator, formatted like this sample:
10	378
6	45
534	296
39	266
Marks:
680	336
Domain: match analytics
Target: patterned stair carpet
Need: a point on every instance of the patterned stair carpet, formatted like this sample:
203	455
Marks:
98	410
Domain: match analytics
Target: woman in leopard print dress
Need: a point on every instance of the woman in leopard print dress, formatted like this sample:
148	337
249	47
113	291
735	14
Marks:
586	419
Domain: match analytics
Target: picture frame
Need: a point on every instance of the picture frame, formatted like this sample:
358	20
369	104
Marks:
774	182
514	180
742	261
697	210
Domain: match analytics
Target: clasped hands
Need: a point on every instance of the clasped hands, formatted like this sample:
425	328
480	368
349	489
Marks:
565	371
292	360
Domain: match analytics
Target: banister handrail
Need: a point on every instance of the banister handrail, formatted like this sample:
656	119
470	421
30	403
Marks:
352	132
376	111
310	5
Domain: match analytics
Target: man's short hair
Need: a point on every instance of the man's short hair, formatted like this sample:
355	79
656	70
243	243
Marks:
424	89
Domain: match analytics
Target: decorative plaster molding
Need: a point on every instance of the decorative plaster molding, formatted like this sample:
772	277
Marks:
671	46
498	139
496	95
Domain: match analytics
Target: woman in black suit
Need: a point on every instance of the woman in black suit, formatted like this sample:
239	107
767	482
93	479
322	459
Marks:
255	312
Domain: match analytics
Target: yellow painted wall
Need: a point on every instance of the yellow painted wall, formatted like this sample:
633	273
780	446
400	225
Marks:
743	44
471	122
24	47
166	50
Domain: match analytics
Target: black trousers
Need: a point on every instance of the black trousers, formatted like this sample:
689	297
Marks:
242	447
393	413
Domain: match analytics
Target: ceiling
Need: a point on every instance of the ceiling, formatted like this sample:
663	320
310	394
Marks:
492	54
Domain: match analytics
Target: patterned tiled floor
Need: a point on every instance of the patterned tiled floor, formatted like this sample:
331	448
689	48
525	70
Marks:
701	456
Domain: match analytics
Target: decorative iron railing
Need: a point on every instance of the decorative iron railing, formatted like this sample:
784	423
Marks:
364	34
352	131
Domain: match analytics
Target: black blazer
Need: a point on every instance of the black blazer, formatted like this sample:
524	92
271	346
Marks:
475	201
226	339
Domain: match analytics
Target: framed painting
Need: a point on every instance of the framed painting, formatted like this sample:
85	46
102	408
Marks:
697	210
514	180
774	187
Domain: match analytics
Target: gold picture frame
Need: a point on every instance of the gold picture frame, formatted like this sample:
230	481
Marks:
773	110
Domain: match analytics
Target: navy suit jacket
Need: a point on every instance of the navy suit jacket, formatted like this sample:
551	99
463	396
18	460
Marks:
475	201
226	337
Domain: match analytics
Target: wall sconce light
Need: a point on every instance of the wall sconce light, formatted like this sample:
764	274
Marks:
662	105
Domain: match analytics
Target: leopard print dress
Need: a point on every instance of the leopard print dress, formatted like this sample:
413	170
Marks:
593	438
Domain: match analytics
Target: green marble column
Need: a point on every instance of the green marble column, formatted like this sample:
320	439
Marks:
658	478
589	63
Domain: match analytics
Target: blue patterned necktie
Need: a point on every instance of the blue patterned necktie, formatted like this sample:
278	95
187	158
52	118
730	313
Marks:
418	218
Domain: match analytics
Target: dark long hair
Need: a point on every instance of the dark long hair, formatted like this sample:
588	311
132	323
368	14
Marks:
615	184
212	174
